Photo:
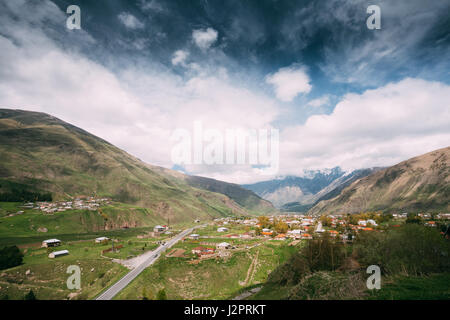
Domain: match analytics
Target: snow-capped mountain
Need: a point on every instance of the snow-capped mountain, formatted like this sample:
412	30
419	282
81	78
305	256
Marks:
299	193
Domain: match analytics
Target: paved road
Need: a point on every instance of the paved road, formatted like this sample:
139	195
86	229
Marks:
112	291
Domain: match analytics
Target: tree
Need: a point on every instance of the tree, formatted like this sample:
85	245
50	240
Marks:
10	257
412	218
161	295
146	295
281	227
30	296
326	221
264	221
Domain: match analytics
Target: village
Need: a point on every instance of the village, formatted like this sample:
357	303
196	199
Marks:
224	236
78	203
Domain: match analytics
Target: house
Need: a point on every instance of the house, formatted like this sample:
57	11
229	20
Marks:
267	233
280	237
159	229
223	245
222	229
246	236
51	243
198	250
101	239
362	223
372	222
266	230
201	251
57	254
194	236
233	236
333	233
306	236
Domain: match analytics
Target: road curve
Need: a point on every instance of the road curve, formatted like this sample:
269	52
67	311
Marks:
112	291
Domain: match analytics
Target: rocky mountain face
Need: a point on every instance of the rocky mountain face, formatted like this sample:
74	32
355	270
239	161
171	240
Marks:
299	193
418	184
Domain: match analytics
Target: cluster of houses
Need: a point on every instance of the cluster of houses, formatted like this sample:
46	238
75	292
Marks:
80	203
49	243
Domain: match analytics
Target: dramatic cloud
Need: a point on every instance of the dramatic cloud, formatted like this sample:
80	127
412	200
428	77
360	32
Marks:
179	57
128	87
377	128
130	21
289	82
204	38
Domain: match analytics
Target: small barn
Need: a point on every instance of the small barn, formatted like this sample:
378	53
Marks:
159	229
101	239
51	243
57	254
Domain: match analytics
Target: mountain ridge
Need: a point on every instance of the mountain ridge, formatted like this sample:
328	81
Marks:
419	183
42	153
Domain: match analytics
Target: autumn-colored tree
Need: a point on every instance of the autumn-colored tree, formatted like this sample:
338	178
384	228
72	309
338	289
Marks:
280	226
326	221
264	221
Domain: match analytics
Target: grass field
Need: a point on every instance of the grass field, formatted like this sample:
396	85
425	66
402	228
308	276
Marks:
47	277
216	278
432	287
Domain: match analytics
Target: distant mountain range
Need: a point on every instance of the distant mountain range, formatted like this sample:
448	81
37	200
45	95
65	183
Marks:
41	155
300	193
418	184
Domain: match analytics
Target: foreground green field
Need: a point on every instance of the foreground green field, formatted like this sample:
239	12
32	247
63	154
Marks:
214	278
47	277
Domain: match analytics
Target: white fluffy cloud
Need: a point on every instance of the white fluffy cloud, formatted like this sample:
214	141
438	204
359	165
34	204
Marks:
138	109
289	82
135	108
204	38
130	21
179	57
379	127
324	100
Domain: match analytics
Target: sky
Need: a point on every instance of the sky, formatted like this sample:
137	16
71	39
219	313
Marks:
140	71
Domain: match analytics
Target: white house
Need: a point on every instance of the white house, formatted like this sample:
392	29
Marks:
57	254
266	230
101	239
159	228
194	236
372	222
362	223
222	229
223	245
51	243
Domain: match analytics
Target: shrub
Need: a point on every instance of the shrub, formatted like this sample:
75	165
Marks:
412	249
323	254
30	296
10	257
161	295
328	285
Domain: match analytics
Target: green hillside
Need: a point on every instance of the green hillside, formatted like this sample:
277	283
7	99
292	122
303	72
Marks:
418	184
42	156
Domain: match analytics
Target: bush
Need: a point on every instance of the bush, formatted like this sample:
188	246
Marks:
30	296
328	285
290	272
161	295
411	249
10	257
324	254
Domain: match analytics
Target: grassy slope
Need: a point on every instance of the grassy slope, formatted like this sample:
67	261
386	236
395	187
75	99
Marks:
47	154
210	279
420	183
